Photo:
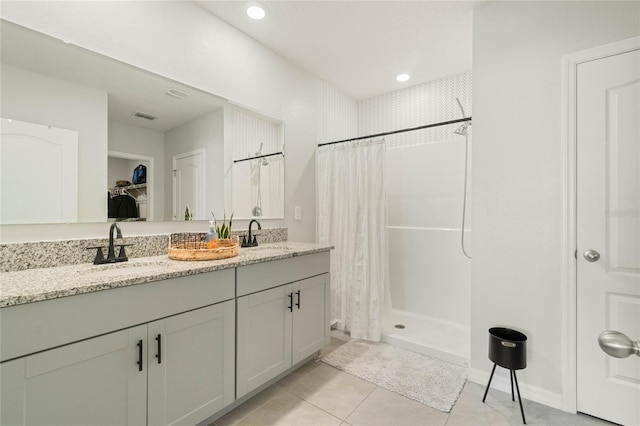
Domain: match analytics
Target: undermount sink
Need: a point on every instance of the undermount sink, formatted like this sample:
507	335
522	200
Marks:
264	248
124	268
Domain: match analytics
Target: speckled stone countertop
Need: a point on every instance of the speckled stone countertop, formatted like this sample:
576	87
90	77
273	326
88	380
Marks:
34	285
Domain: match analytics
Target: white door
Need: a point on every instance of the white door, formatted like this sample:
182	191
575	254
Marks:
191	365
45	160
189	185
93	382
309	317
264	337
608	222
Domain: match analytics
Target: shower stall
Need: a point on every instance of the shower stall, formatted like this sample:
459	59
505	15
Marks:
426	172
427	183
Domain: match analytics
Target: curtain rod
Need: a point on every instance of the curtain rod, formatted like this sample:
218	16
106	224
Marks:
426	126
259	156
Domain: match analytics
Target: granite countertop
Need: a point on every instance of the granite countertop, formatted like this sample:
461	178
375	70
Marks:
34	285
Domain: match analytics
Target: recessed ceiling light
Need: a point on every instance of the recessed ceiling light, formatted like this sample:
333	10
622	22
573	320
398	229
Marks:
256	11
403	77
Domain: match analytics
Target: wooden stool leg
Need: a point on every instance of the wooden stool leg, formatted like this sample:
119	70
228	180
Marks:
489	384
519	399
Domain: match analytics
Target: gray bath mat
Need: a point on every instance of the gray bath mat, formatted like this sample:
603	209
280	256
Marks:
419	377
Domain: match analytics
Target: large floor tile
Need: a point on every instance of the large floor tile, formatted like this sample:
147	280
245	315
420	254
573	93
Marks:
469	409
299	373
285	409
383	407
535	414
558	418
330	389
336	342
248	407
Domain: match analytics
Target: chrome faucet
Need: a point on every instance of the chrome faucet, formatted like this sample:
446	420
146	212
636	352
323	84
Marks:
249	242
111	254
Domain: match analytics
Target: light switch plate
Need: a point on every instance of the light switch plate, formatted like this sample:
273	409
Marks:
297	213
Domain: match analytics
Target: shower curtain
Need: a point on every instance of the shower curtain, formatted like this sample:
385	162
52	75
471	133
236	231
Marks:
351	216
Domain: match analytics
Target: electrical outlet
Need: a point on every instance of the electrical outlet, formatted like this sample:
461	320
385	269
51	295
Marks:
297	213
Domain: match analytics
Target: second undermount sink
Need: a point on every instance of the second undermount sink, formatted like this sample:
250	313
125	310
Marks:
267	248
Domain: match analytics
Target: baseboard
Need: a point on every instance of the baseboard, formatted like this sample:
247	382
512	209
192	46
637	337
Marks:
501	382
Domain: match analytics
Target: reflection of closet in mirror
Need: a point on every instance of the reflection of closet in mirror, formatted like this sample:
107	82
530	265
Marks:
258	183
120	169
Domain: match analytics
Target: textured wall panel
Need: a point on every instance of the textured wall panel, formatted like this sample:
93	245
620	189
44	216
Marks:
337	114
247	132
415	106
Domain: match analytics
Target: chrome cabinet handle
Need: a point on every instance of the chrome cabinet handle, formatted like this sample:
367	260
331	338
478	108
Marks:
591	255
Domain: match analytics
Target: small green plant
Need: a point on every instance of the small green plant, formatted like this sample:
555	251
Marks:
224	230
188	215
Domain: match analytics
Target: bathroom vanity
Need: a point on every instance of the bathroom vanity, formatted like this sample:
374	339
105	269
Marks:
153	341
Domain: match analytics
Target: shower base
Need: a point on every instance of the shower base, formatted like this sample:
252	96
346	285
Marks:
429	336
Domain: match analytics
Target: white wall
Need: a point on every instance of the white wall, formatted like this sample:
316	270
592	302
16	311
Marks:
149	143
36	98
200	50
518	172
118	169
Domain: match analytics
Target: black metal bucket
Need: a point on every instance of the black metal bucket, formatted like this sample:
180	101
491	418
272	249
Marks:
508	348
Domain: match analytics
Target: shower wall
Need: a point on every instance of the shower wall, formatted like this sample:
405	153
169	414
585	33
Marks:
429	275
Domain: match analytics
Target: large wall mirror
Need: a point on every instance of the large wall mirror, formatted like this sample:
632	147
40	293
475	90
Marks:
85	138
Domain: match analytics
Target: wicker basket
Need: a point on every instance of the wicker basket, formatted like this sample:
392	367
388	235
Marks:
192	246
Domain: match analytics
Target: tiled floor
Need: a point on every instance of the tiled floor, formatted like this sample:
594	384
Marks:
317	394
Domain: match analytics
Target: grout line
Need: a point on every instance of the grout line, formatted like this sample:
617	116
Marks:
363	400
252	411
314	405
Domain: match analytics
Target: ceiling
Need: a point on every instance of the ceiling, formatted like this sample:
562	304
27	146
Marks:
360	46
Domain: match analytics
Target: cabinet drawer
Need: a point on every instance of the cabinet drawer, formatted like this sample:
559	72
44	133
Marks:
262	276
38	326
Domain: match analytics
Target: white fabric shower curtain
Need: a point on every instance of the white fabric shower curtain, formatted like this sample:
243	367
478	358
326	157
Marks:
351	216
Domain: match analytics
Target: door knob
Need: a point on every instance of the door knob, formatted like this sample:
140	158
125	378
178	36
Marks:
617	344
591	255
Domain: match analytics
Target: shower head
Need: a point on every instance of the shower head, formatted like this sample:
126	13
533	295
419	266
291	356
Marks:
462	130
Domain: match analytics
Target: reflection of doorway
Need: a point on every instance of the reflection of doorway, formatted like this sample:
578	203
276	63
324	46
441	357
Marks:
120	167
39	173
189	184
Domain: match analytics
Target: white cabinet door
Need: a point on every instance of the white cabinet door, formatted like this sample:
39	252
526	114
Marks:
264	337
191	365
93	382
310	322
